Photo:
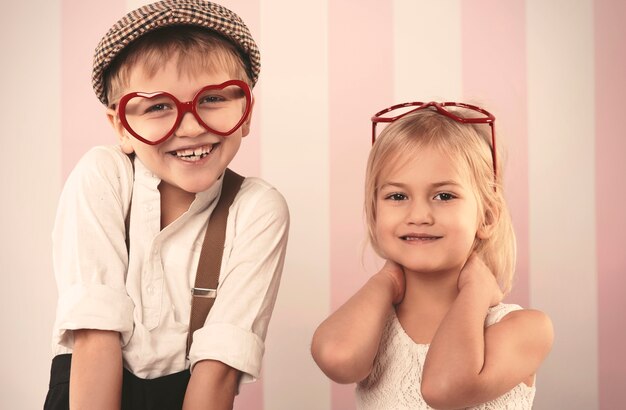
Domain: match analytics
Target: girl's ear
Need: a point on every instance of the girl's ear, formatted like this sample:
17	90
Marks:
488	224
245	127
122	135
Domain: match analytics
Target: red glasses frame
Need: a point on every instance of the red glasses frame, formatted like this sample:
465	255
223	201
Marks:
489	119
183	108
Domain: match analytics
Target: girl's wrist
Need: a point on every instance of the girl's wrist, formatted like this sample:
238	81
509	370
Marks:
383	282
477	293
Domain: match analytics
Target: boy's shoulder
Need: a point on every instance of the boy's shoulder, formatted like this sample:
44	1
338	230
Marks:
257	195
102	169
256	185
105	159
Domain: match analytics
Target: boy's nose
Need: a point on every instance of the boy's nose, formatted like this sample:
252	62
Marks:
189	126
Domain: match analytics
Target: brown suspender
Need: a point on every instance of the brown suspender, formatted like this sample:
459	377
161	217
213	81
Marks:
204	291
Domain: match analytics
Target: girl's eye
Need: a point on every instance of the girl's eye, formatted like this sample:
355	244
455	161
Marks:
444	196
396	197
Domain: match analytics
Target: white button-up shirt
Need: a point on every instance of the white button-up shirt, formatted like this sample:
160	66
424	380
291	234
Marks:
145	294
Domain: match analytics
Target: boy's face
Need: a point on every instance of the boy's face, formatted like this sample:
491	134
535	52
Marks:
192	159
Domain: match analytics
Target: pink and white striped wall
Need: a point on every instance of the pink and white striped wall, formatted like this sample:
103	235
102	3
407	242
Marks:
552	71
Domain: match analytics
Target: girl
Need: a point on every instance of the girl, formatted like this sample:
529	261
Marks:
429	329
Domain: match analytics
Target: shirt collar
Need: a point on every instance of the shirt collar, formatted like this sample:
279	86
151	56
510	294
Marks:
203	199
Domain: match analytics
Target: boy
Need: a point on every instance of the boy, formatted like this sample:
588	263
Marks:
175	77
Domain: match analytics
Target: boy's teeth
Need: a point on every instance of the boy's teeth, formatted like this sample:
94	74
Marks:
194	154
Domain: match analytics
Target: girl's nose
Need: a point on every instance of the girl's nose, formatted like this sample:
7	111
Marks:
420	213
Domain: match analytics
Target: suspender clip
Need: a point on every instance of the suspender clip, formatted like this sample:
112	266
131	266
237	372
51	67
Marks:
204	293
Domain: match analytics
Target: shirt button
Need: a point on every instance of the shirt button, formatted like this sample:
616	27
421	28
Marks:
150	290
147	173
149	207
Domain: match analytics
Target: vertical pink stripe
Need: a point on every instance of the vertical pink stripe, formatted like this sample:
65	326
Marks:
248	162
83	121
248	159
494	72
610	53
361	82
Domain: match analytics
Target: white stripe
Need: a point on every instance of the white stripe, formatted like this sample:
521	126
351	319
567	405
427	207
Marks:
135	4
30	185
295	158
562	210
427	50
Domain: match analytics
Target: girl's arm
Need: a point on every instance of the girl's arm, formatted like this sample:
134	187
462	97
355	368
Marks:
344	345
468	364
213	385
96	371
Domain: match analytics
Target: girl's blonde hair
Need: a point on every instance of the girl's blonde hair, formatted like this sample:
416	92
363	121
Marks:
196	50
468	146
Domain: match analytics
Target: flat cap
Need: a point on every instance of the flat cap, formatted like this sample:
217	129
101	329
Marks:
168	13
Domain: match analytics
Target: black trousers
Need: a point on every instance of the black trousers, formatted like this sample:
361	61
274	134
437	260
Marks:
162	393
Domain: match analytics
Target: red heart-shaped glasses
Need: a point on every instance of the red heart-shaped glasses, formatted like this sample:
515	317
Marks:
154	117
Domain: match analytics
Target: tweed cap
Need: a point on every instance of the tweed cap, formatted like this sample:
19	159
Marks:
168	13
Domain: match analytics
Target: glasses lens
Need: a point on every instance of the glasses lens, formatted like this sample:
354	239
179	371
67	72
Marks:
151	117
222	109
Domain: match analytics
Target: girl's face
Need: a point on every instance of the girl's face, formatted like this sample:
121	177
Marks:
426	213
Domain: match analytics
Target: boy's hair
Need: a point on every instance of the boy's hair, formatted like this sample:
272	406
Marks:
469	147
195	49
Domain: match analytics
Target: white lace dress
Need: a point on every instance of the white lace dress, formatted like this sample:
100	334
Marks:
396	377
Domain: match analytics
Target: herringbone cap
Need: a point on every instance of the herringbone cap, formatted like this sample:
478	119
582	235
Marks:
168	13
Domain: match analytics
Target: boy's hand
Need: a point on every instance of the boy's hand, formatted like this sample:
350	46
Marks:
395	274
476	275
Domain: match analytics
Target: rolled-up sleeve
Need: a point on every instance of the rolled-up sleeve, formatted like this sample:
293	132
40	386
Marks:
89	249
235	329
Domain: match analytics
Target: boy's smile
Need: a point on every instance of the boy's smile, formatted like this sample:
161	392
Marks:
426	213
194	154
193	158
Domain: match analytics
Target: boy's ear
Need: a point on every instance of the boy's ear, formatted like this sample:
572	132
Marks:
488	224
122	135
245	127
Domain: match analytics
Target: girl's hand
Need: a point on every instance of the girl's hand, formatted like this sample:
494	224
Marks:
476	275
395	274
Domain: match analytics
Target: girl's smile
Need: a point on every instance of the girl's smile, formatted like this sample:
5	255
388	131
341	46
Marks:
420	237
